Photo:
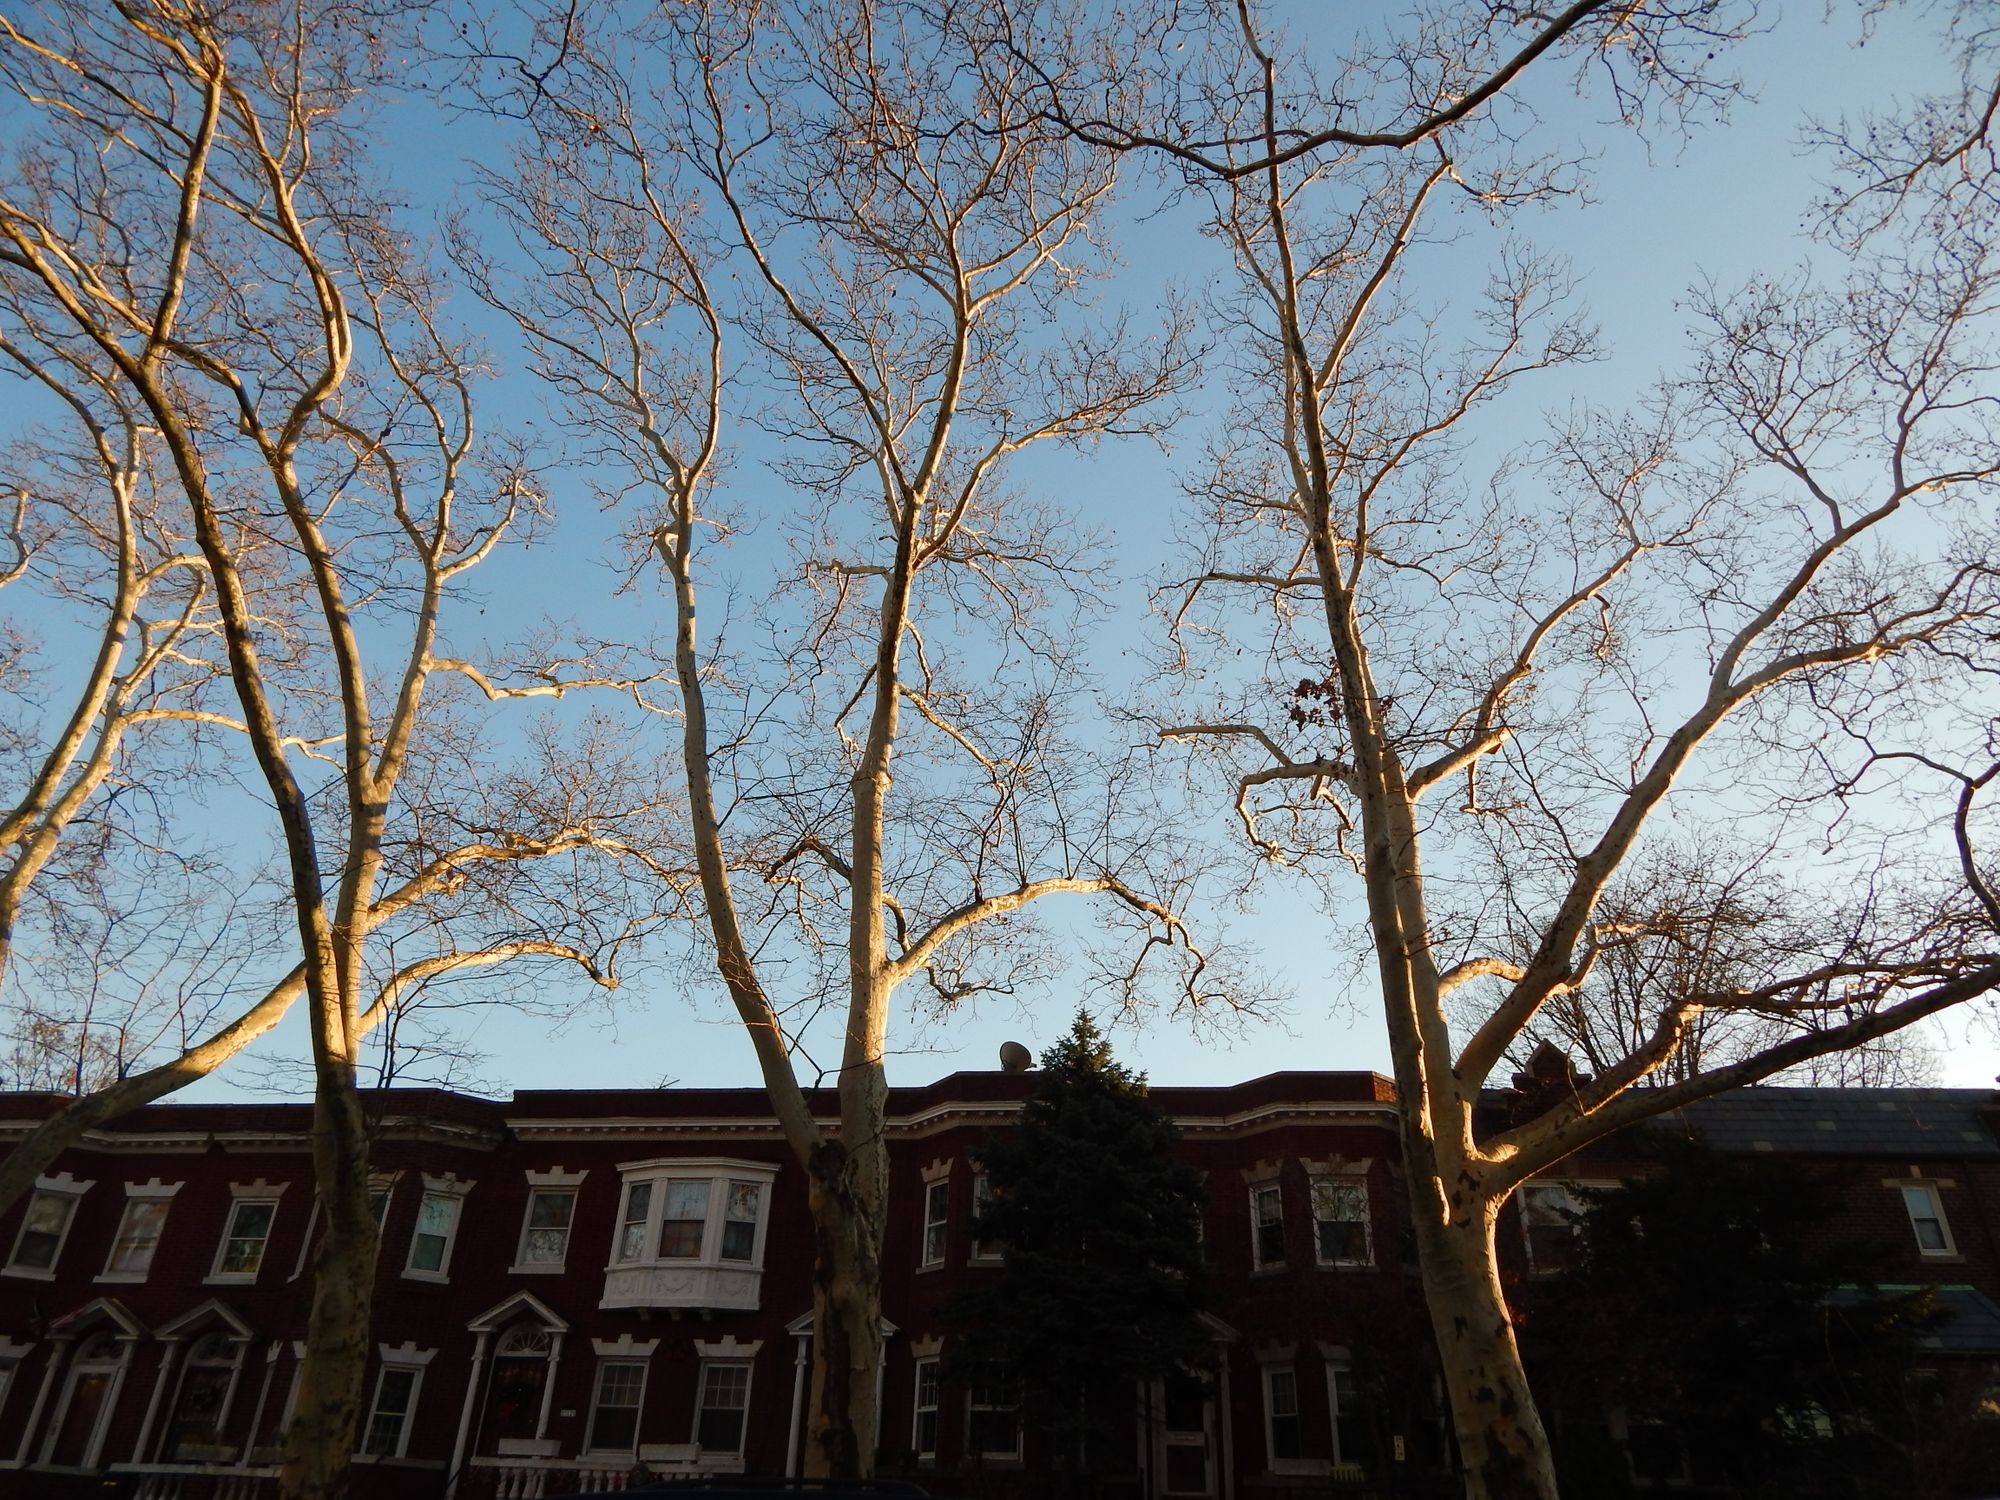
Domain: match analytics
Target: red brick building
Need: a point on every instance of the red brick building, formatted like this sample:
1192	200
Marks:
574	1283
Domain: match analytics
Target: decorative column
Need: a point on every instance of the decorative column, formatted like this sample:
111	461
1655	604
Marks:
465	1415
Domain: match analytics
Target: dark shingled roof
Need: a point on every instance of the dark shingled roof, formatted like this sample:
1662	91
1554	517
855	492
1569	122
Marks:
1844	1122
1967	1321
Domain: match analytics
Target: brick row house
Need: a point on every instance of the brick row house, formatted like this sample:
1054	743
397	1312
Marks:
574	1284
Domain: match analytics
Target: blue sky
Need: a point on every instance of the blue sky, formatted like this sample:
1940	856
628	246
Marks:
1665	212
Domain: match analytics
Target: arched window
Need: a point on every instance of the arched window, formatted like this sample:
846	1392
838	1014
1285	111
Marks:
87	1396
514	1389
201	1408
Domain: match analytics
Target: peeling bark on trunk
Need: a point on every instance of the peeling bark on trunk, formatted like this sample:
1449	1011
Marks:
847	1322
328	1414
1500	1436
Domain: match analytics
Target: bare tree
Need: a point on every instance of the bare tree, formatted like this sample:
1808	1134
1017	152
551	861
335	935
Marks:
852	230
1754	604
195	264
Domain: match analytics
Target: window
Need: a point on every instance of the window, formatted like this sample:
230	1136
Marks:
614	1411
725	1398
1350	1429
1281	1413
388	1434
1927	1221
683	1220
1340	1222
437	1229
545	1232
1550	1212
244	1237
937	1218
690	1234
208	1380
137	1238
75	1439
43	1229
982	1202
632	1233
993	1422
1267	1224
923	1429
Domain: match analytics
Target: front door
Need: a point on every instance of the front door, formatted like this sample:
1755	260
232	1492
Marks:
1186	1456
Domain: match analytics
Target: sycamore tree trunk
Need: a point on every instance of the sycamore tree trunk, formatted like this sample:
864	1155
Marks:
847	1317
1501	1440
328	1415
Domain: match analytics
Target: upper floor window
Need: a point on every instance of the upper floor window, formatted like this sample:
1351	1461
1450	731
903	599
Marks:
1551	1219
690	1234
1340	1222
138	1237
45	1226
244	1237
982	1202
937	1220
437	1228
545	1229
1927	1221
1267	1224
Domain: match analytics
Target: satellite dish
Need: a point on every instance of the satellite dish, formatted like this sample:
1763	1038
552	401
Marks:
1014	1058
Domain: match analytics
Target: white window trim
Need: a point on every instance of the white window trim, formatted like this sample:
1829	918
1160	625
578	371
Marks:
62	1185
238	1347
937	1215
1274	1464
729	1352
1343	1179
1338	1366
926	1456
718	1173
93	1448
151	1191
448	1187
240	1193
405	1356
1931	1187
634	1353
1257	1261
553	1182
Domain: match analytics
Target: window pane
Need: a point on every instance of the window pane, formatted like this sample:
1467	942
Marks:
1284	1395
739	1227
632	1239
683	1220
725	1391
687	1200
937	1210
249	1227
138	1235
614	1420
547	1241
436	1216
392	1408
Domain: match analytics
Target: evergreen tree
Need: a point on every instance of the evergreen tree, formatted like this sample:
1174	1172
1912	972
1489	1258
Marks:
1101	1229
